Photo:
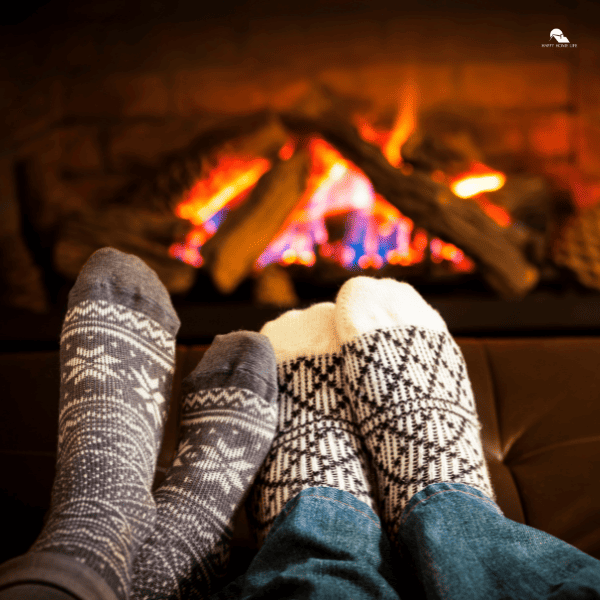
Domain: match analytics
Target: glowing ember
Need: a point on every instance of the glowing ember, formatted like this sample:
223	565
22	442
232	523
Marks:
475	183
287	150
441	251
480	179
495	213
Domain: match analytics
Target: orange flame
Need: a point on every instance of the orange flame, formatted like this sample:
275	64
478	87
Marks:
305	226
405	124
391	142
229	179
328	167
336	186
227	182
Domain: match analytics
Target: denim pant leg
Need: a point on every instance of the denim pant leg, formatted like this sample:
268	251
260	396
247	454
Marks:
325	544
461	546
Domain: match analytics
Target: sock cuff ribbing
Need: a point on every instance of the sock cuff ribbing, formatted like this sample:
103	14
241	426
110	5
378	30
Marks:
56	570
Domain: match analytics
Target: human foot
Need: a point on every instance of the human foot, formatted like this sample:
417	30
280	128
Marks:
317	442
410	391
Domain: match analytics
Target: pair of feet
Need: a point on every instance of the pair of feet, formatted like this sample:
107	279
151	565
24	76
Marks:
369	395
374	399
107	533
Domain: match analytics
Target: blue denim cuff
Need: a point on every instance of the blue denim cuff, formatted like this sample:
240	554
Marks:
325	543
437	492
332	496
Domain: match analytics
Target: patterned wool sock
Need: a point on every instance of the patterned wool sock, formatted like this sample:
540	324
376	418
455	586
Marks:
229	416
410	391
317	442
117	360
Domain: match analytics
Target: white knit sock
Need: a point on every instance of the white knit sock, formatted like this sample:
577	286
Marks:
317	443
410	392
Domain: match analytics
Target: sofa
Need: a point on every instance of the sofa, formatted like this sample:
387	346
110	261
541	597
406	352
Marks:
538	400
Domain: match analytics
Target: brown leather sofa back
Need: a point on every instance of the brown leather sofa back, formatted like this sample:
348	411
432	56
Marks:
538	400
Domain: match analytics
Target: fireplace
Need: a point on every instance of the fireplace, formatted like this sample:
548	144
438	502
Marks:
258	157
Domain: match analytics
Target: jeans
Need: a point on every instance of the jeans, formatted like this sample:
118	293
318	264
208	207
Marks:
455	543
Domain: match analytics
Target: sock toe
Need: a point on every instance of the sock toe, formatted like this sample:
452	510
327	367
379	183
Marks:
305	332
243	359
125	279
365	304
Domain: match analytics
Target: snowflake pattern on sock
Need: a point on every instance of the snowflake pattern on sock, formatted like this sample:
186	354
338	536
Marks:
415	408
226	434
117	367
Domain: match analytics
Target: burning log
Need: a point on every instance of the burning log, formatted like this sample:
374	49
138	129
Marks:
451	154
145	233
538	209
430	205
231	253
260	135
274	287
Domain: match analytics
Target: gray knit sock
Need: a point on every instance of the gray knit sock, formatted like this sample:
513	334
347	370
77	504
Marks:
229	416
117	362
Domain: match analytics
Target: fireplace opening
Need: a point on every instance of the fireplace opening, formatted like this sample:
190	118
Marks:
287	155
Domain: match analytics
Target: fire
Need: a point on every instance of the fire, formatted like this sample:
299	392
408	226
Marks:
328	190
206	202
376	233
229	179
404	125
478	180
475	183
391	142
369	232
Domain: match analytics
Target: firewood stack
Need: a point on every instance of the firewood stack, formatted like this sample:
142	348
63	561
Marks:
142	219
